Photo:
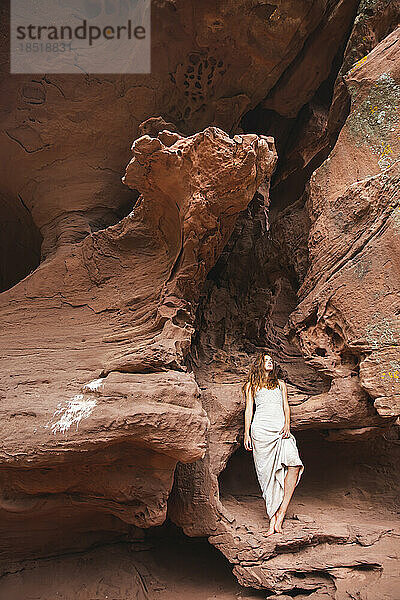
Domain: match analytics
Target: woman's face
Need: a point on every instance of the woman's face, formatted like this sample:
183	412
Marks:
268	363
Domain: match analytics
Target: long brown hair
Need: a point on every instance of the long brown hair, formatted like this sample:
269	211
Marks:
258	377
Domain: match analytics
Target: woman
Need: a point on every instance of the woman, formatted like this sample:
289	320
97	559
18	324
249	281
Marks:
276	458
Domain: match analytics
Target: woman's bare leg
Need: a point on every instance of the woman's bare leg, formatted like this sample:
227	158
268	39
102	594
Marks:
289	485
272	522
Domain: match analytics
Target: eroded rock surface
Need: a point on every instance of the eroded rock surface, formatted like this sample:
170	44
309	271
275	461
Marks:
95	363
350	305
126	345
224	61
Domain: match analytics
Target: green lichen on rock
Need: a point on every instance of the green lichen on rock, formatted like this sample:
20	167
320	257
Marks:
366	5
394	365
383	331
362	266
375	118
363	40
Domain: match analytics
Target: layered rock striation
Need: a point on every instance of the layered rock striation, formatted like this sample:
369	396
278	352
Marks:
98	405
133	303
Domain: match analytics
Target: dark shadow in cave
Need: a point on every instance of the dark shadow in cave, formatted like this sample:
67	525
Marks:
239	477
21	249
291	174
189	558
20	242
258	287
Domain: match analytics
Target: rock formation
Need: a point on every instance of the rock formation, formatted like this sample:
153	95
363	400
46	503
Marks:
107	323
257	208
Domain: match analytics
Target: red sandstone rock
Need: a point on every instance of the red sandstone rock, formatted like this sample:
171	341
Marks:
350	300
58	126
125	349
104	327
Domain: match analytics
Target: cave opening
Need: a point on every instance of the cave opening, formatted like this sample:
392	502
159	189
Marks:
320	351
20	242
193	561
245	303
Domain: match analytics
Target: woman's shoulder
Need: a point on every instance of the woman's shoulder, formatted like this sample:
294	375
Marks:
282	383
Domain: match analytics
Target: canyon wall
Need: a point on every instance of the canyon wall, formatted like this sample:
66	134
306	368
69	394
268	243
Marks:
156	232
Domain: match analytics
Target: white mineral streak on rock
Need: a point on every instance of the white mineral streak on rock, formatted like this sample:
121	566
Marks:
73	412
94	386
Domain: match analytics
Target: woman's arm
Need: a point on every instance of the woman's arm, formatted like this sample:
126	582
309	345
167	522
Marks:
286	409
248	414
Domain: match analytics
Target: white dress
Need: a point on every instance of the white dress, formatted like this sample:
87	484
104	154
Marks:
272	452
